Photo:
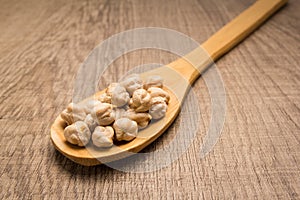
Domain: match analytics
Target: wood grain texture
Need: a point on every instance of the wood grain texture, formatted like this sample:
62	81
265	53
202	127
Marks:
43	43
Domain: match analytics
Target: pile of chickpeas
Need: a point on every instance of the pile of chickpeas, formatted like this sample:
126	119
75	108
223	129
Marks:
118	114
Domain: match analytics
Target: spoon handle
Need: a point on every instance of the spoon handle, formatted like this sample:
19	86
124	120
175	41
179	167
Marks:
197	61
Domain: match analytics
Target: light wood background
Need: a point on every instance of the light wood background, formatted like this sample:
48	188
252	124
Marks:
42	44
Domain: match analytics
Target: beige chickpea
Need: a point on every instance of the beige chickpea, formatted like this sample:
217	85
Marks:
73	113
103	114
158	107
119	96
103	136
132	83
154	81
142	119
158	92
125	129
140	101
78	133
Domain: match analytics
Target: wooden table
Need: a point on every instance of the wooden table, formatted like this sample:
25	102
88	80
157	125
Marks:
258	154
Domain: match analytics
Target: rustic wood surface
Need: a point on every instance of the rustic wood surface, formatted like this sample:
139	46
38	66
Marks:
42	45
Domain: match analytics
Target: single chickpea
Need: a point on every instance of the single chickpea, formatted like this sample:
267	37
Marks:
125	129
158	107
140	101
103	114
158	92
103	136
78	133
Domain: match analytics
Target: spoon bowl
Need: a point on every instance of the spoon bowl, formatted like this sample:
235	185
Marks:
175	85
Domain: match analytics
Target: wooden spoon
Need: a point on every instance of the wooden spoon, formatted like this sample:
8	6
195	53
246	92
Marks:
178	76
